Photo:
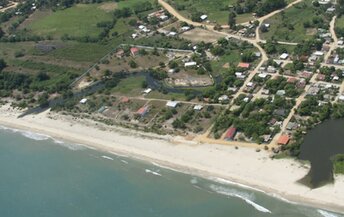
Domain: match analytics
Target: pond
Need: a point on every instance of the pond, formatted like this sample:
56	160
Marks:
320	145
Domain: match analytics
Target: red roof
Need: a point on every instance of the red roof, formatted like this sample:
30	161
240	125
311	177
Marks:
230	133
142	111
125	99
134	50
244	65
283	140
292	80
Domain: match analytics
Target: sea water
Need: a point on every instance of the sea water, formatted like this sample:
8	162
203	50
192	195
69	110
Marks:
40	176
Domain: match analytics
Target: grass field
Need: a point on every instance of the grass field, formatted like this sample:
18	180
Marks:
131	86
289	26
217	10
80	20
340	25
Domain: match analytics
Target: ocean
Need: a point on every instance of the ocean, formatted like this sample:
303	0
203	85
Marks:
44	177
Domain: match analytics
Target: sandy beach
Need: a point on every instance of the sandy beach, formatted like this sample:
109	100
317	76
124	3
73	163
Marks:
245	165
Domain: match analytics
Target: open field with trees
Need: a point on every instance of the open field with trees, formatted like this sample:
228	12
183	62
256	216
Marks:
297	23
219	10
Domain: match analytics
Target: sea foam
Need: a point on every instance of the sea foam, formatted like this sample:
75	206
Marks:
107	157
241	195
326	213
152	172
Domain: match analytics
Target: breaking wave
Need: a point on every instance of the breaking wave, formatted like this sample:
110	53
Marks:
326	214
152	172
241	195
107	157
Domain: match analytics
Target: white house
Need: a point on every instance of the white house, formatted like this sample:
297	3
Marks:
189	64
147	91
198	107
284	56
83	101
172	104
204	17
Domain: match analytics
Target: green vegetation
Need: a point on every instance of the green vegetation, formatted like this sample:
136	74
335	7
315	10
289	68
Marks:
80	20
338	162
219	10
297	23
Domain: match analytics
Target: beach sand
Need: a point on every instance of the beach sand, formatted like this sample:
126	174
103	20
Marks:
243	165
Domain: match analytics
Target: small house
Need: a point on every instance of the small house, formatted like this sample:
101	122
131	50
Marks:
198	107
172	104
204	17
230	134
284	56
142	111
147	91
244	65
83	101
134	51
283	140
190	64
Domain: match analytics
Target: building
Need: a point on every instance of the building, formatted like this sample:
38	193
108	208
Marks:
244	65
125	100
223	98
83	101
120	53
230	134
142	111
204	17
283	140
284	56
147	91
198	107
134	51
190	64
172	104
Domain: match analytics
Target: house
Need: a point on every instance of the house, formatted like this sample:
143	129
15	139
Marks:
198	107
204	17
120	53
190	64
102	109
313	91
83	101
125	100
305	74
172	34
271	69
280	112
134	51
230	134
283	140
284	56
292	126
280	93
223	98
172	104
134	35
292	80
185	28
319	53
147	91
262	75
341	97
321	77
142	111
267	138
244	65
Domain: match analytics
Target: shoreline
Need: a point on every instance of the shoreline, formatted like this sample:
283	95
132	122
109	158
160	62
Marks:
273	177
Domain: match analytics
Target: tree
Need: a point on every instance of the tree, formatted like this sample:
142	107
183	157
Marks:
2	64
231	20
2	33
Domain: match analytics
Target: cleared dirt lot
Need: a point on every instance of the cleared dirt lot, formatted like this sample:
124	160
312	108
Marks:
198	35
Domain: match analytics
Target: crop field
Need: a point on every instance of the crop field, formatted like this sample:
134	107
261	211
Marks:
292	25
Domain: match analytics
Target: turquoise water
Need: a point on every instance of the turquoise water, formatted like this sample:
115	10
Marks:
43	177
